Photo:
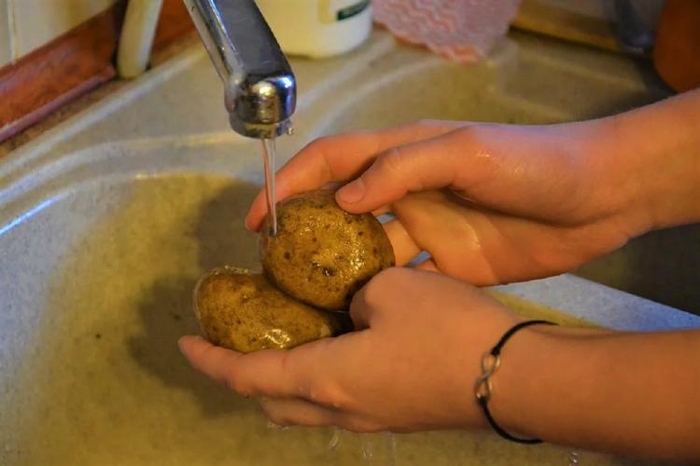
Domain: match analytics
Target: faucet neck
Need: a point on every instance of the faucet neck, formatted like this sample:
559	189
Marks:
260	87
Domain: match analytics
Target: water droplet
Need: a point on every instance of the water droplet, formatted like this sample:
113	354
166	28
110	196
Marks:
334	442
379	449
272	426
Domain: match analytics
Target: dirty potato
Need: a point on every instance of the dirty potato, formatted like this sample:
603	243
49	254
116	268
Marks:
321	254
242	311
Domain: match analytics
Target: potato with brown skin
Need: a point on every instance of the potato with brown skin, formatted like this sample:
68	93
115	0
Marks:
321	254
242	311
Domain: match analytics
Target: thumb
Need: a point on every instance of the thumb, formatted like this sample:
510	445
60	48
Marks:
528	171
427	164
384	291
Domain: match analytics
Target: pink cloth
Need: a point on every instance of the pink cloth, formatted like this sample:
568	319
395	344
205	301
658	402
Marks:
460	30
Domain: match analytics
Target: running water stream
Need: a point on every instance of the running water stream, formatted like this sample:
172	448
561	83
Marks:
268	154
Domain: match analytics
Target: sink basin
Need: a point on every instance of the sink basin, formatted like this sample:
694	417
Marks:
103	241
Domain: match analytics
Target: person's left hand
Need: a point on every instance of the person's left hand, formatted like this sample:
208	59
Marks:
411	365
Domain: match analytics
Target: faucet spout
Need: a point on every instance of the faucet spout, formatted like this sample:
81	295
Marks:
259	85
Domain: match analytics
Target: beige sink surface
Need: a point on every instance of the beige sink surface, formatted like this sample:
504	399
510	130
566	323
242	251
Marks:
103	237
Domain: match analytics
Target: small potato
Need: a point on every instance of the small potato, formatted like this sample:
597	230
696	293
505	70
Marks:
242	311
321	254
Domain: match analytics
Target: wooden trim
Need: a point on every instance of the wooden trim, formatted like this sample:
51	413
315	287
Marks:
73	65
174	23
59	71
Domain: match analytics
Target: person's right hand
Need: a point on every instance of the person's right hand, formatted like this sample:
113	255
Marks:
499	203
490	203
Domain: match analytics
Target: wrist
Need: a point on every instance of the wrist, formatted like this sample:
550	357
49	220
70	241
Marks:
528	382
652	156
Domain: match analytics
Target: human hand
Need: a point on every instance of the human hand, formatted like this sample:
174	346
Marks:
411	365
414	360
489	203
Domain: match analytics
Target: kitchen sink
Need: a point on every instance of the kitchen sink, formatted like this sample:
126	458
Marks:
107	222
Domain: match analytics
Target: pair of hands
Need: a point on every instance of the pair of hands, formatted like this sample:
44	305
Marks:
491	204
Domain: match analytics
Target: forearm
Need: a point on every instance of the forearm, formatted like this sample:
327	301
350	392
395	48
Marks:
653	154
630	393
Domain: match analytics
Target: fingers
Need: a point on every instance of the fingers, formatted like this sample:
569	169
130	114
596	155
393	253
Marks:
266	375
405	248
287	412
234	369
280	373
369	302
339	158
360	313
520	170
462	243
278	378
210	360
416	166
295	412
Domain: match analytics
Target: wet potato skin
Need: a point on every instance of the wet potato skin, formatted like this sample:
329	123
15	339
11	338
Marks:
242	311
321	254
320	257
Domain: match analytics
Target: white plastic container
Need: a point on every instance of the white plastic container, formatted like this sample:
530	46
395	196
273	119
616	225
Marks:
318	28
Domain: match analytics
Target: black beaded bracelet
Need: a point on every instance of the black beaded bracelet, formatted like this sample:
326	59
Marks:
483	388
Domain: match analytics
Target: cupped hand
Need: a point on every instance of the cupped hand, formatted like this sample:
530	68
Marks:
490	203
411	365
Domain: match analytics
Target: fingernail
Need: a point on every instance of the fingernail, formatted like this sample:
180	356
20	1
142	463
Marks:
182	341
181	344
352	192
248	223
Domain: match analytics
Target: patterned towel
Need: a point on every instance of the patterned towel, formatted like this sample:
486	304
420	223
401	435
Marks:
460	30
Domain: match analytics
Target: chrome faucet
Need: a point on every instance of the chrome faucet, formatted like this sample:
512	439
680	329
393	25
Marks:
259	86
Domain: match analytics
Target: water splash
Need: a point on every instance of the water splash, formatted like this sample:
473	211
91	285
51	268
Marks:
334	443
379	449
272	426
375	449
